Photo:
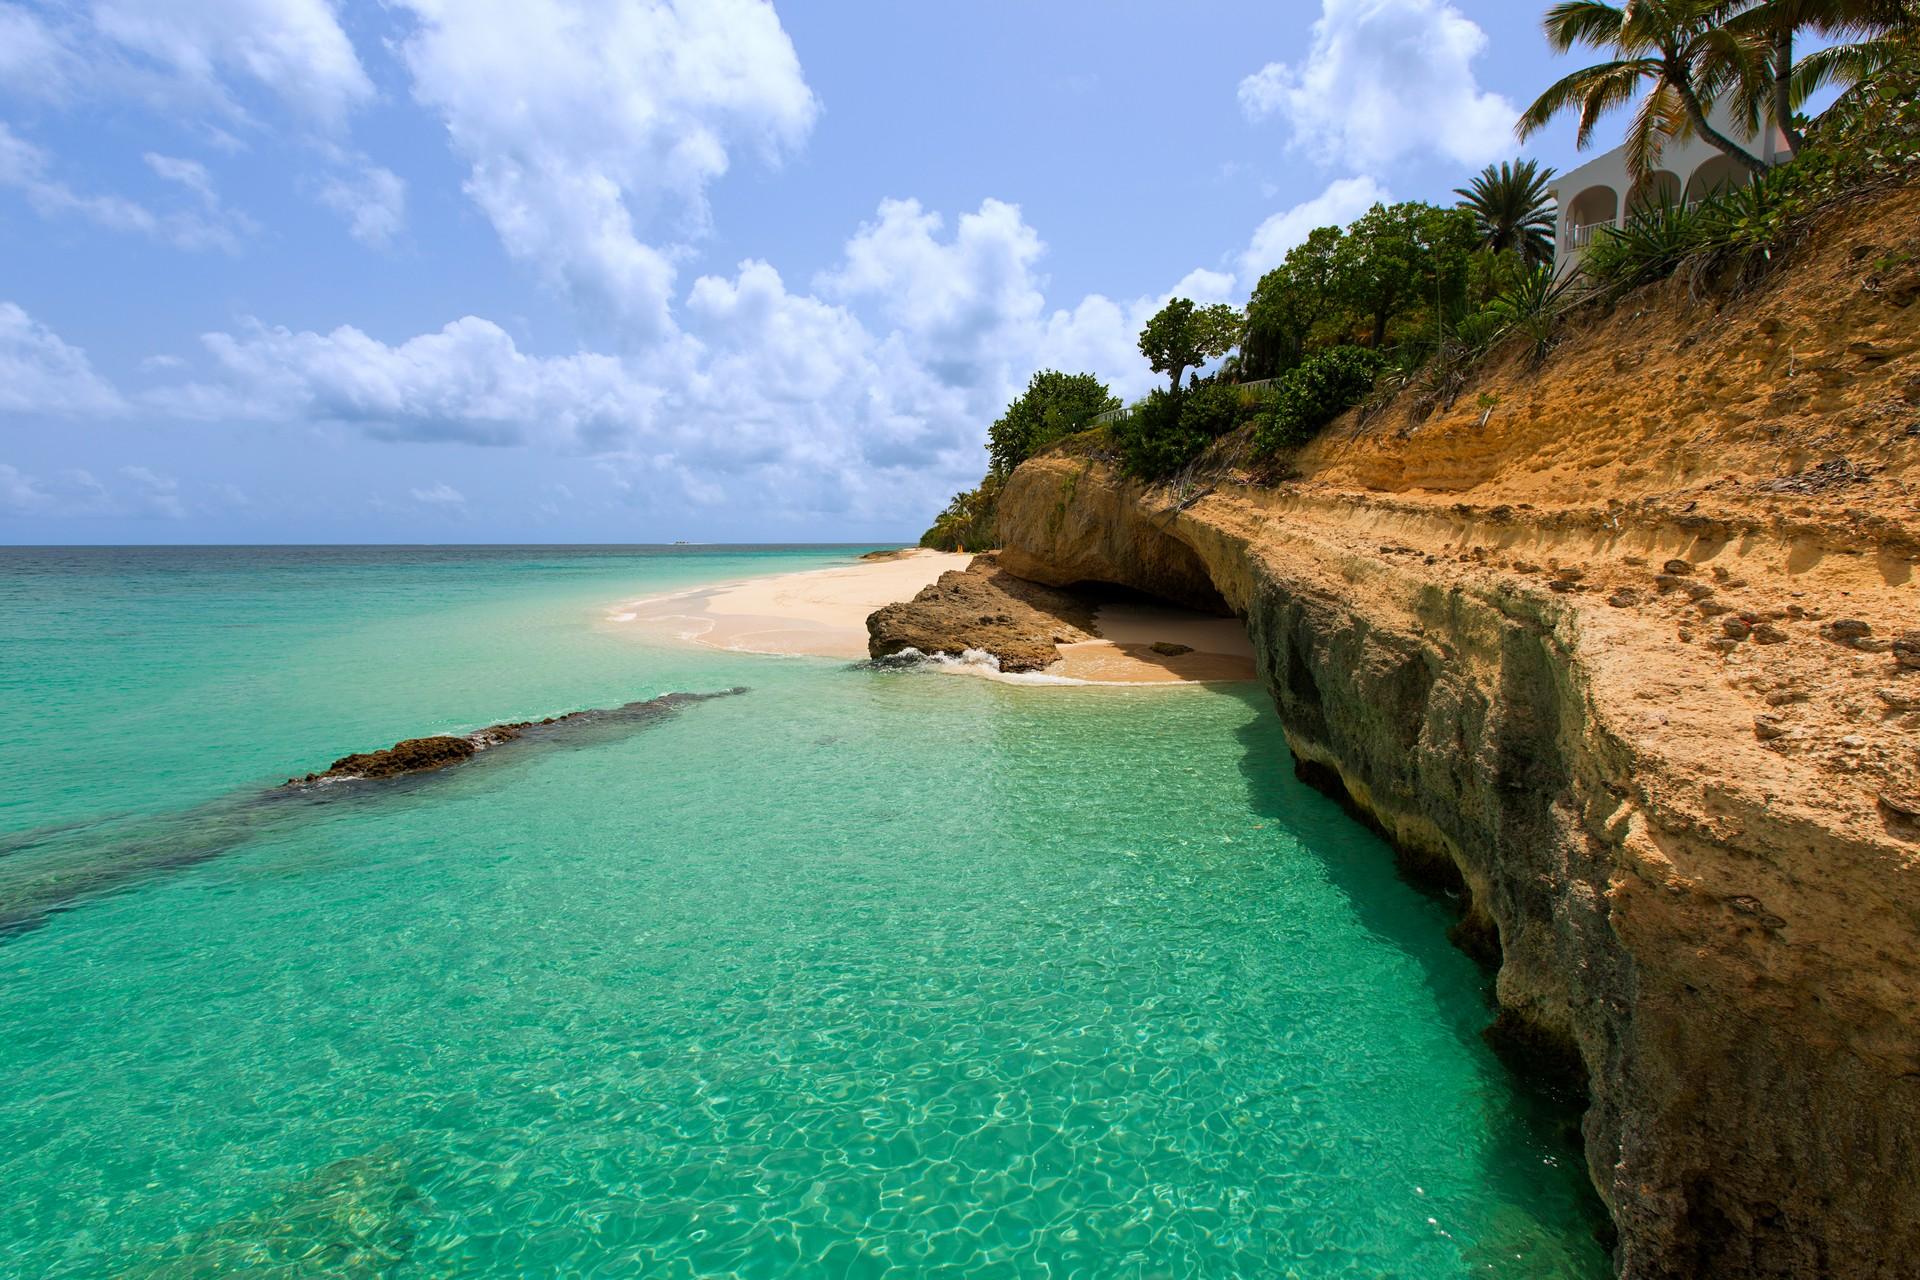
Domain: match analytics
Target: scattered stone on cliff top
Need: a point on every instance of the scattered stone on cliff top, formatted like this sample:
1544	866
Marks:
986	608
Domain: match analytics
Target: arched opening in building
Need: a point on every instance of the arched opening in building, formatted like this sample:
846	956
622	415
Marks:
1657	190
1720	174
1592	209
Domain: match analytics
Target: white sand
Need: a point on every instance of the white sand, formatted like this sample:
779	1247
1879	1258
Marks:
823	613
1124	653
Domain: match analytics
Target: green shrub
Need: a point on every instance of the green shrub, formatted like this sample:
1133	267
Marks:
1319	390
1154	438
1211	410
1532	306
1741	229
1648	247
1165	432
1870	136
1479	331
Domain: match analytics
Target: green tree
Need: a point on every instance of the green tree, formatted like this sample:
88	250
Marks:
1671	55
1054	406
970	522
1182	336
1513	209
1399	258
1289	303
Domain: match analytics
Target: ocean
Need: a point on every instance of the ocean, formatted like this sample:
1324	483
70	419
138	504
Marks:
860	972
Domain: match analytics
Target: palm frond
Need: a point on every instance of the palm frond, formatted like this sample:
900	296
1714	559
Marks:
1845	64
1659	119
1512	208
1584	22
1615	88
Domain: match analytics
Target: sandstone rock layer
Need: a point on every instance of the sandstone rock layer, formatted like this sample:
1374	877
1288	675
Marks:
1630	660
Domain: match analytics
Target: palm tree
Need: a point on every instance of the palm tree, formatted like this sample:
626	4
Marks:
1769	83
1882	31
1676	51
1513	209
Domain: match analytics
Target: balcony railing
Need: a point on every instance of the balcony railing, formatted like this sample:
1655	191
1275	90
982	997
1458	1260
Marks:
1583	235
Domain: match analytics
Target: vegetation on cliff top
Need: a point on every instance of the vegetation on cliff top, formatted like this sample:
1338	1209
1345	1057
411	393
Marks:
1411	296
1054	406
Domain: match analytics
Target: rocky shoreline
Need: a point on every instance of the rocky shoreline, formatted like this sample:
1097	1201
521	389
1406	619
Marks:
1635	668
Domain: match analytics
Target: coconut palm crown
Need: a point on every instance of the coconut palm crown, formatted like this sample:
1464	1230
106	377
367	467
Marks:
1671	56
1513	209
1769	85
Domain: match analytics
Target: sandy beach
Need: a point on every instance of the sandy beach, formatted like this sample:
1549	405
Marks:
823	613
820	612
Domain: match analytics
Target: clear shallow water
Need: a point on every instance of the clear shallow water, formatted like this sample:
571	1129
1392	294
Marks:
860	971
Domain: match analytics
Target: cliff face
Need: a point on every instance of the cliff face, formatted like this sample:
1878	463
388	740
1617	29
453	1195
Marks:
1623	646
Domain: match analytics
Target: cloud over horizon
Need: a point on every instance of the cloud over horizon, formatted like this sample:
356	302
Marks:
552	168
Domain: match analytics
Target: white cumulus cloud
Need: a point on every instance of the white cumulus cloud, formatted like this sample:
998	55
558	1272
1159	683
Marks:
468	382
865	398
439	495
592	128
27	169
962	302
39	373
75	493
190	174
154	493
372	199
35	60
294	49
1384	80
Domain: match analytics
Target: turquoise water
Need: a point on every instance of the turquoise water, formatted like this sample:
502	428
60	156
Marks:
858	973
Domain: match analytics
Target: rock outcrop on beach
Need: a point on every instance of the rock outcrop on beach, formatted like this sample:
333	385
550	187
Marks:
1623	648
985	608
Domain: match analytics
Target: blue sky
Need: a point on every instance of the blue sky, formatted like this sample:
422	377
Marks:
578	270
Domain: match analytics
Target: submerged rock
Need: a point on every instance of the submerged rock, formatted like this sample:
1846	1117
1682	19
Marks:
424	755
352	1218
415	755
48	871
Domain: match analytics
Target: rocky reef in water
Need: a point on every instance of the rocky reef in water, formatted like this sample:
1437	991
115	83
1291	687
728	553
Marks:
425	755
1626	649
57	868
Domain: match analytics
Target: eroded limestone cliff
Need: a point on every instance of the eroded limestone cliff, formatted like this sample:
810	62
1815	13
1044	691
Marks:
1626	645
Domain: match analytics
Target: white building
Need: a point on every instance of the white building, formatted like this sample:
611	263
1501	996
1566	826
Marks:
1602	193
